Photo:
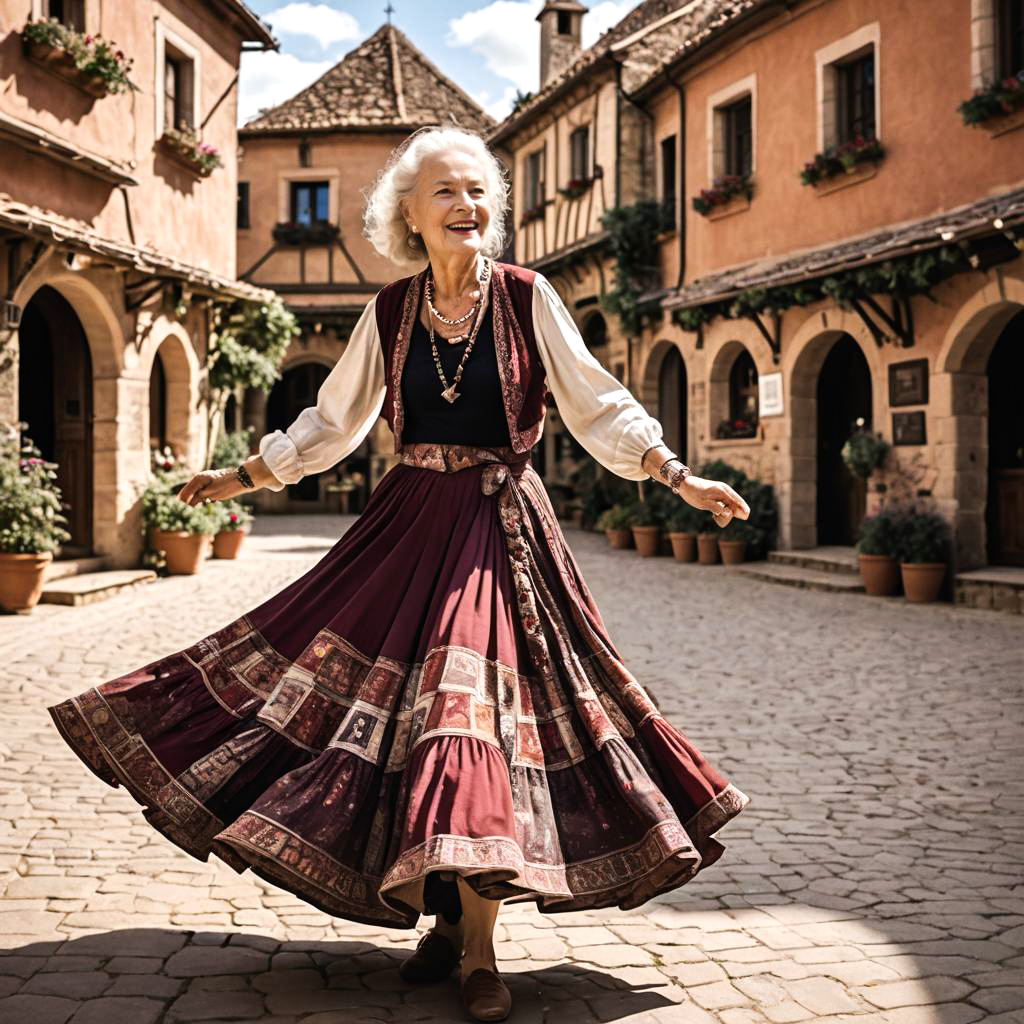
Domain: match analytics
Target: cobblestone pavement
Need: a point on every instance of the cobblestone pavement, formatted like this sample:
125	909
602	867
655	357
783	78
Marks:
875	876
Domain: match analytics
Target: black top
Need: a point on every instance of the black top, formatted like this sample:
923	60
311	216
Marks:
477	416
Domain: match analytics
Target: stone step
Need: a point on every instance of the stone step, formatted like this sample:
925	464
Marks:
60	568
799	576
999	587
827	558
88	587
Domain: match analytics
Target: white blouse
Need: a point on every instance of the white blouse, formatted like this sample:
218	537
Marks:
598	411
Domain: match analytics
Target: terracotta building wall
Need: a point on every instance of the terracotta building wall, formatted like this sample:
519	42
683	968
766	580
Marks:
170	209
349	163
933	160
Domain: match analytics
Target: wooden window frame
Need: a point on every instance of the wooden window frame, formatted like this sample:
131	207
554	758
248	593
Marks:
737	392
579	153
534	179
851	88
293	189
243	218
717	104
668	168
1009	40
738	158
169	44
866	39
75	15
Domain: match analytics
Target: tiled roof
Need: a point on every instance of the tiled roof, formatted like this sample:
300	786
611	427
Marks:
925	233
384	82
75	236
647	38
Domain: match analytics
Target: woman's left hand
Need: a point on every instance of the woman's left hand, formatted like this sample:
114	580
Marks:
716	497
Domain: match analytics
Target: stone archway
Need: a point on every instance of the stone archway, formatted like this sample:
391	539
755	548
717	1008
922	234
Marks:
174	367
961	411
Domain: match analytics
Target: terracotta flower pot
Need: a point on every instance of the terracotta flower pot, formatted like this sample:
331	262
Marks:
707	548
922	581
619	538
647	540
185	551
227	542
733	551
880	574
684	546
21	579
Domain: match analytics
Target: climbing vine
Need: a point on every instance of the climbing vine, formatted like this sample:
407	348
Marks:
914	274
633	246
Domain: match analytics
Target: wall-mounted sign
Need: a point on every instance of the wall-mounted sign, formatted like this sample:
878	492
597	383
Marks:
908	382
769	387
908	427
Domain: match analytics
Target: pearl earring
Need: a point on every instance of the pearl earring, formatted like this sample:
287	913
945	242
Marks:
415	230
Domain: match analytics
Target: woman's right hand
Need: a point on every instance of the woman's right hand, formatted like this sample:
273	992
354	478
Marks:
220	484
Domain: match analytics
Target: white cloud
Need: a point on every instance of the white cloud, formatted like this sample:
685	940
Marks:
498	108
318	21
268	78
506	34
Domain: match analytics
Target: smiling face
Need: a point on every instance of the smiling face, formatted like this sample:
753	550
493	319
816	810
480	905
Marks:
450	205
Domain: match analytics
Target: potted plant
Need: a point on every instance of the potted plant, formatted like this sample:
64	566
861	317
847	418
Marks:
615	523
923	548
1001	98
646	527
876	546
707	541
233	519
682	532
31	520
181	531
864	452
734	538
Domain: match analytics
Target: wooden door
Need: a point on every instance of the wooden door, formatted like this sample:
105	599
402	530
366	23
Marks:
55	399
296	390
843	395
1005	509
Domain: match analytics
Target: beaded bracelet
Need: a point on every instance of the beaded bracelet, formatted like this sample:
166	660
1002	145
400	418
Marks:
674	475
243	475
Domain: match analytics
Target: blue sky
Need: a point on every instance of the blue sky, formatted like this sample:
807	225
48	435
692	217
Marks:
489	47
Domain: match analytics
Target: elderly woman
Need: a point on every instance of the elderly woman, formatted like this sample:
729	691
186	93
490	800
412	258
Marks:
433	718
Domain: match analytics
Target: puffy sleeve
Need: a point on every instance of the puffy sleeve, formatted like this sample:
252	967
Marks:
599	412
347	405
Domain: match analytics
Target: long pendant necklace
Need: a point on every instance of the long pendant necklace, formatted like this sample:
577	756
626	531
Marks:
449	394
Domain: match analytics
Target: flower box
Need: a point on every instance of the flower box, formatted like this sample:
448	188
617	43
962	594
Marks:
292	233
89	62
532	214
576	187
730	193
995	102
842	159
184	147
729	429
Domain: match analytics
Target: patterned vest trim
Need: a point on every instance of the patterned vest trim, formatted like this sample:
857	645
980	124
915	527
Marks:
523	385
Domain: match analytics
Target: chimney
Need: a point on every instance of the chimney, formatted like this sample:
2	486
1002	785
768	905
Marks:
560	26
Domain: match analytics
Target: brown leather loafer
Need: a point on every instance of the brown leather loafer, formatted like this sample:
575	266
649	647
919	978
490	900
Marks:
485	996
433	960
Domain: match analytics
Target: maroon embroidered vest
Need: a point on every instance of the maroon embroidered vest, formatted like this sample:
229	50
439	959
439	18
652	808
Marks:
523	386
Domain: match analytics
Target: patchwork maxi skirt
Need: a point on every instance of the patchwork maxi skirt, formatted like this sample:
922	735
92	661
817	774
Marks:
437	694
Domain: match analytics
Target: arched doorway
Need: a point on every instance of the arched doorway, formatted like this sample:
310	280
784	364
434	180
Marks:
296	390
843	395
672	406
55	399
1004	512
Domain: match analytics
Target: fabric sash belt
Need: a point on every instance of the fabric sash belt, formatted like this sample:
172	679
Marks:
450	458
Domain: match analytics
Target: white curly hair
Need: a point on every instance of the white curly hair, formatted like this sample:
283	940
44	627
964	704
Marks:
383	222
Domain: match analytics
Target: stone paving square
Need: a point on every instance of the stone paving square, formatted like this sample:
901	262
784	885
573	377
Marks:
876	876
